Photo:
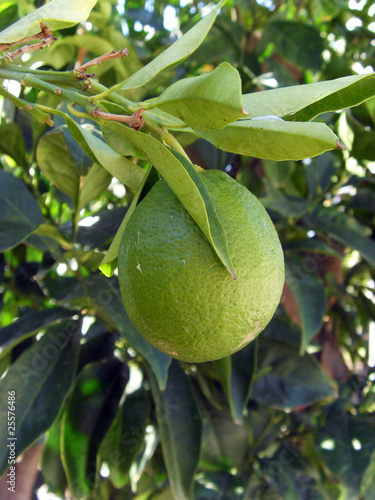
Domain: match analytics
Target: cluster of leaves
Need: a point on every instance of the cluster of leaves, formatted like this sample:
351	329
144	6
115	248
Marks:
290	415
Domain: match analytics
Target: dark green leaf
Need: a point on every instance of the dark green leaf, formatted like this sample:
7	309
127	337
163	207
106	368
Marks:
236	374
125	438
288	206
29	325
289	472
12	143
298	42
292	381
108	298
88	414
346	443
343	228
41	377
309	294
217	486
57	164
20	214
180	430
51	463
224	443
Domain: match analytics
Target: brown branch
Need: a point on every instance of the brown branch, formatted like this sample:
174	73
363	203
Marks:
44	34
134	121
98	60
30	48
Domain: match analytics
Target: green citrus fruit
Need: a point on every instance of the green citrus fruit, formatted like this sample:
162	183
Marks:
175	289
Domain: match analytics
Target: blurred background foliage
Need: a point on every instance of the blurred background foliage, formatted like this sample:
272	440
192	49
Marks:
281	420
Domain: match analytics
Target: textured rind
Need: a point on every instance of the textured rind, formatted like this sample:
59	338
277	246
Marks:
175	289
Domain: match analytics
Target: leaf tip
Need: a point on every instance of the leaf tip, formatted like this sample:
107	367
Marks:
340	145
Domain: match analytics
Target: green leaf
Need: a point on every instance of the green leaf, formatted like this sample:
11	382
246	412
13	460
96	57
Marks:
292	381
109	263
187	185
272	138
41	377
117	165
309	293
207	101
368	483
125	438
95	182
346	444
12	142
87	417
180	430
225	443
343	228
290	473
28	325
57	14
51	463
20	214
174	54
57	164
298	42
236	374
305	102
288	206
108	298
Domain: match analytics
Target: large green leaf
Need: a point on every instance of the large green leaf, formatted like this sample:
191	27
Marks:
126	436
346	443
87	416
290	380
117	165
207	101
41	377
57	14
174	54
20	214
272	138
29	325
12	142
304	102
57	164
108	298
343	228
95	182
187	185
180	430
309	294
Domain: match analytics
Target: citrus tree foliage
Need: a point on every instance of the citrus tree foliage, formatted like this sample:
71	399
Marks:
271	93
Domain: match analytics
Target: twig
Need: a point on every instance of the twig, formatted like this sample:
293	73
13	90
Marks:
45	33
30	48
98	60
134	121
